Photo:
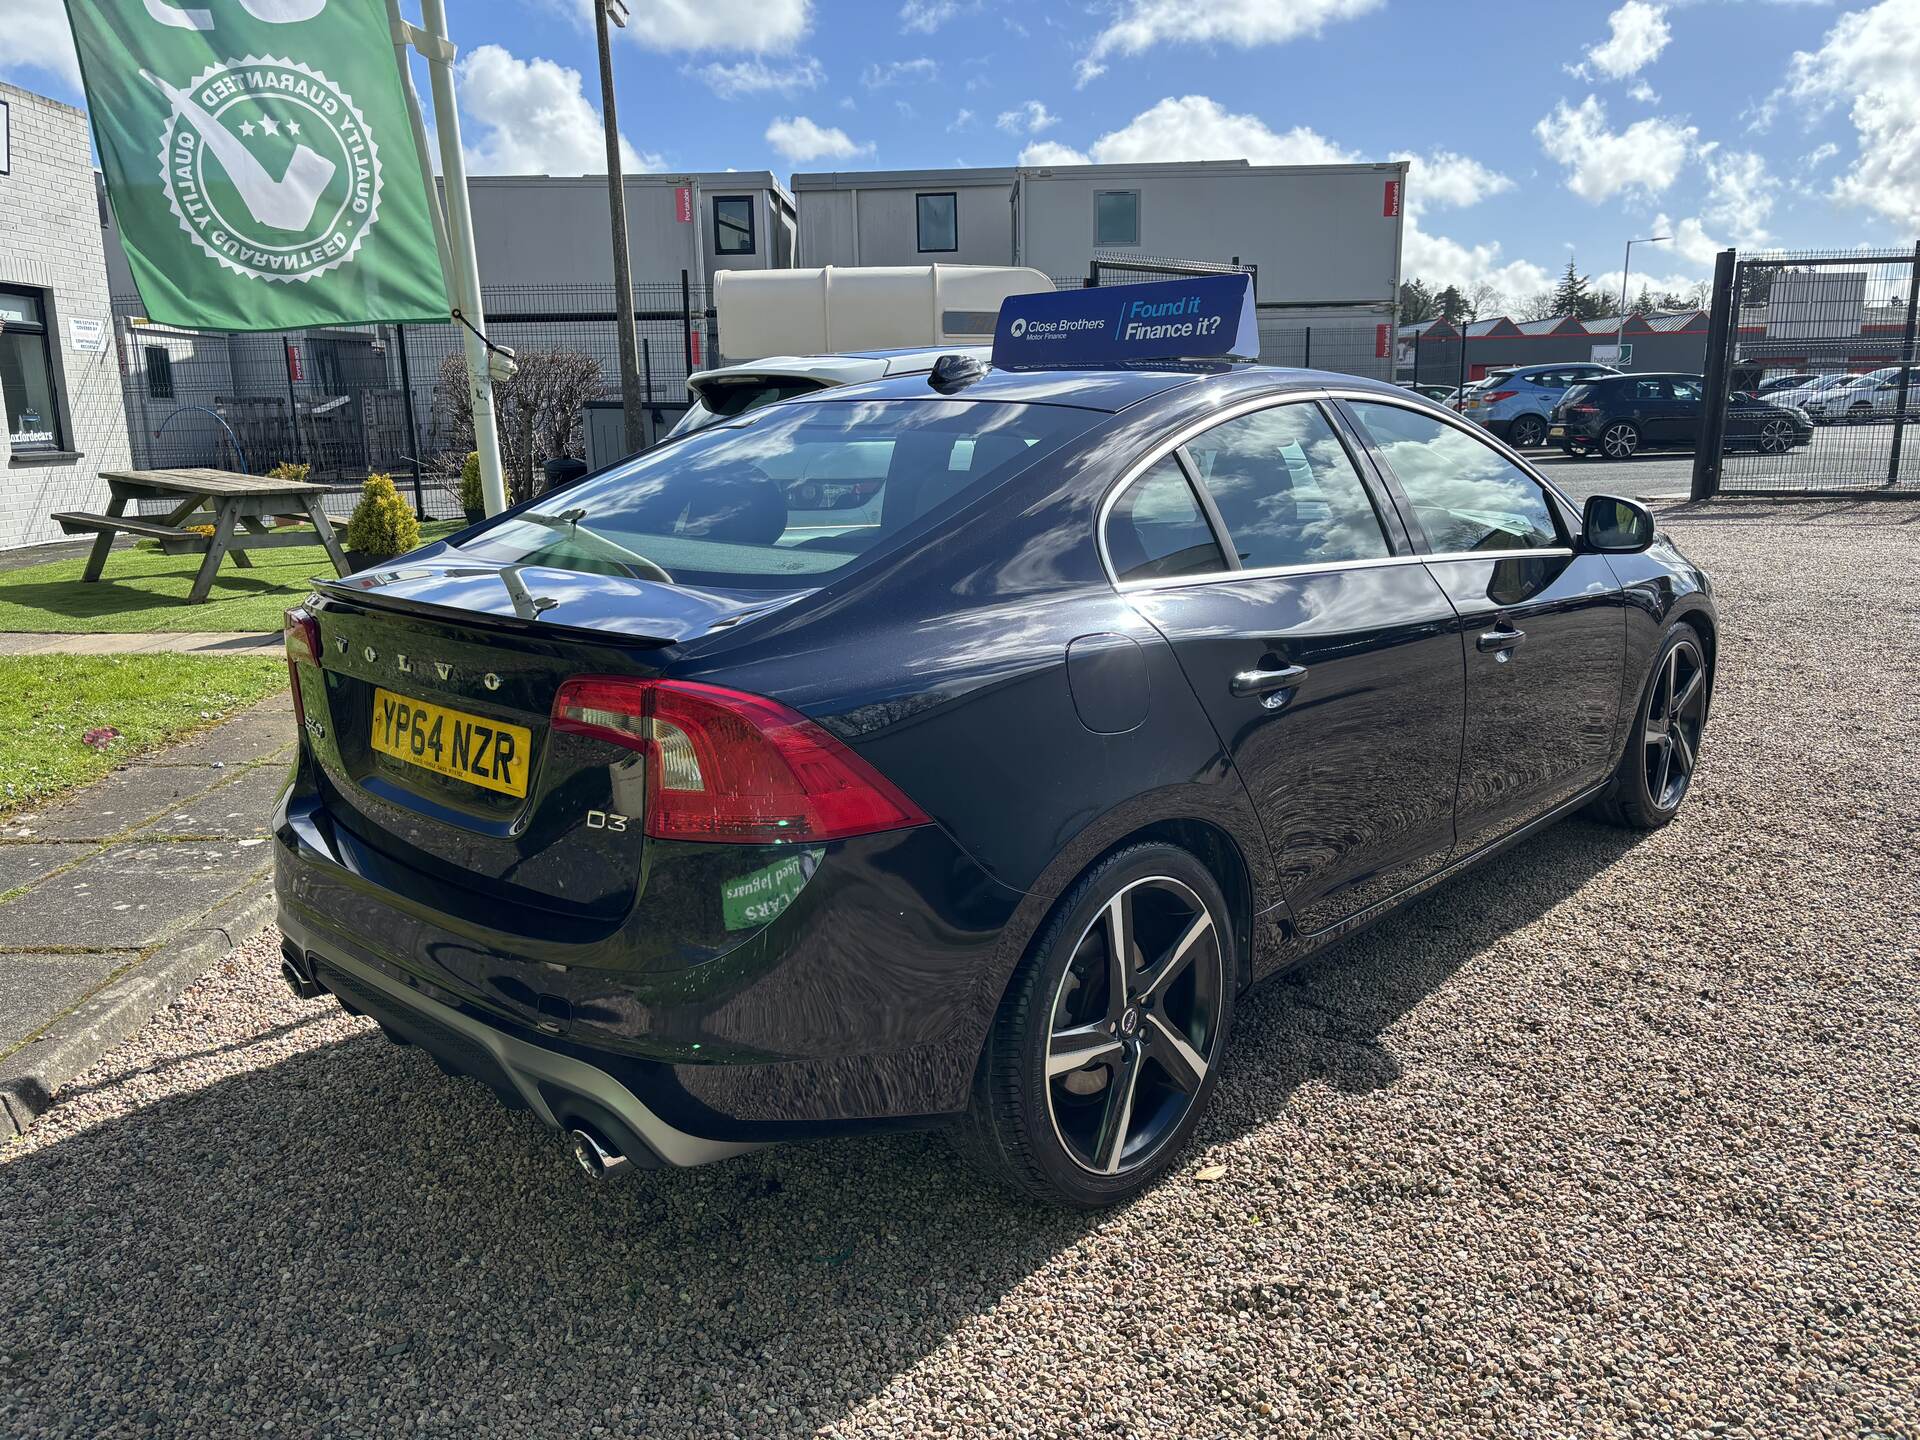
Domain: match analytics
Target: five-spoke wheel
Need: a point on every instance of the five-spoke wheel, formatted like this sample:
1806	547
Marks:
1670	731
1134	1024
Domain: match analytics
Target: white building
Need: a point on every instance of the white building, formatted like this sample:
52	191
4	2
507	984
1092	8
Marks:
59	365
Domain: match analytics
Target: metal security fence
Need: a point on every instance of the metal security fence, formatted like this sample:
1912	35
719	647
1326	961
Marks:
1352	338
351	400
1831	335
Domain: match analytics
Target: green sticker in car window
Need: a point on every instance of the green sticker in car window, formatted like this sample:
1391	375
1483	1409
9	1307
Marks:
758	898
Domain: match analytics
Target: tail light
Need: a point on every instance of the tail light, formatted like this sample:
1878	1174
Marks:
1497	396
1583	410
723	765
303	644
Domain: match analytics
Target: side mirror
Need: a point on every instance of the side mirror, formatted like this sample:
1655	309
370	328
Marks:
1614	526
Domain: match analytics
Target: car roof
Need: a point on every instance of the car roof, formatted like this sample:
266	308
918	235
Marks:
1107	390
844	367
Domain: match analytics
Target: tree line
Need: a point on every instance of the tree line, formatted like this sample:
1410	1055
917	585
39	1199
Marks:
1574	294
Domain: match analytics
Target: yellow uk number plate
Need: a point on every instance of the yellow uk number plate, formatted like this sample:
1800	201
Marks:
487	753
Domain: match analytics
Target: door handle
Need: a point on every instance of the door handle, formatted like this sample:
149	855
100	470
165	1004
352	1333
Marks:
1503	638
1264	682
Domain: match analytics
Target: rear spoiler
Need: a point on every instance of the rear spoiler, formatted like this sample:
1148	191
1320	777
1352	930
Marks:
522	624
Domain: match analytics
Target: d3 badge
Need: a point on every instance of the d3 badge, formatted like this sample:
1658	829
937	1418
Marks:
270	167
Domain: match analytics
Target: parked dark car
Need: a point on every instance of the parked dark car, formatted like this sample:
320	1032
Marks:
692	822
1621	415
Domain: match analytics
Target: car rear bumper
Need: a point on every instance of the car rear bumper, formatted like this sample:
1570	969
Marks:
862	1006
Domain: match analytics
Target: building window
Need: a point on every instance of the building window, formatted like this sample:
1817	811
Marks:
159	373
733	224
26	373
937	221
1116	217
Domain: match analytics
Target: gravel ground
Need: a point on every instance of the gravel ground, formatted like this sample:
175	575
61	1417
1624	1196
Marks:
1611	1137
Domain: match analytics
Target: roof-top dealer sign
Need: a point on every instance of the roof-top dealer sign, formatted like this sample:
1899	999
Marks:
1209	317
260	161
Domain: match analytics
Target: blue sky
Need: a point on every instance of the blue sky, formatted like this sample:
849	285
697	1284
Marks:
1536	131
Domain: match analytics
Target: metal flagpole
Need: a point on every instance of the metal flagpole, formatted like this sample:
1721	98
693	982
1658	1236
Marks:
453	229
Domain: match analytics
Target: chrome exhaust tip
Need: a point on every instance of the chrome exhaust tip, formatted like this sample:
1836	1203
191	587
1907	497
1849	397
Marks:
302	985
595	1158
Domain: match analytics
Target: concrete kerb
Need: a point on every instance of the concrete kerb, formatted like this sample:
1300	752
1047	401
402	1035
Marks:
33	1074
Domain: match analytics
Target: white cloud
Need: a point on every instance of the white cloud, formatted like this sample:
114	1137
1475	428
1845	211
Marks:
1446	178
1029	117
531	117
1052	152
801	140
898	72
1638	33
757	26
926	16
963	120
1647	156
1871	59
1195	127
35	36
1691	242
1143	24
756	77
1740	195
1441	262
1644	93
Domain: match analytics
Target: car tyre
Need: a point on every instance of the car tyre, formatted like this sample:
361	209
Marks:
1095	1134
1656	771
1527	433
1620	440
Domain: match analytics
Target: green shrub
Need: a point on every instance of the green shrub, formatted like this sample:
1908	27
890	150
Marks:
290	470
382	526
471	496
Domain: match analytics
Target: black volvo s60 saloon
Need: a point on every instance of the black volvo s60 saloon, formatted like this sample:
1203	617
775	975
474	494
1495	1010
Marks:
695	819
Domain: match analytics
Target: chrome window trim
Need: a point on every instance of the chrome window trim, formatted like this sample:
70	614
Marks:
1221	577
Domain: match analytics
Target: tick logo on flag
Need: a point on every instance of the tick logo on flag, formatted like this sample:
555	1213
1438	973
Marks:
301	222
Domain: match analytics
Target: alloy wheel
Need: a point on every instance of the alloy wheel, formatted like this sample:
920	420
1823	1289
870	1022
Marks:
1676	714
1135	1025
1620	441
1527	432
1776	437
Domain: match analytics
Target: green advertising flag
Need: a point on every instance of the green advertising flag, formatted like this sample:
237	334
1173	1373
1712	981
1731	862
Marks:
260	161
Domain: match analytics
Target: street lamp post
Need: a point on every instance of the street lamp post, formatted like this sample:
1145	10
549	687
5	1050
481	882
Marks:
1626	266
630	402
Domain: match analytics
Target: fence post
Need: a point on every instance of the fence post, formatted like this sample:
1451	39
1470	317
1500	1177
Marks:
1723	329
686	322
646	365
293	405
1906	372
1306	359
413	426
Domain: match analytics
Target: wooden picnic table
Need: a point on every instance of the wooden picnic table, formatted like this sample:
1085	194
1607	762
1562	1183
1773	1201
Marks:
239	505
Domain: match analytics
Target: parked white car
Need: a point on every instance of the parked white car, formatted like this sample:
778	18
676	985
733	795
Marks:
1873	396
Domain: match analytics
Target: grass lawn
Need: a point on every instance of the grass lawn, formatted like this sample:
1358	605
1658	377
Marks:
49	702
143	590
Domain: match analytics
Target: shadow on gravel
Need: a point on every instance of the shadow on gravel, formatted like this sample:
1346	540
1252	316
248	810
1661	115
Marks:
348	1242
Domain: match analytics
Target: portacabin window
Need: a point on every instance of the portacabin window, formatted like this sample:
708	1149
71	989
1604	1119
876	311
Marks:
1116	217
937	222
27	374
733	225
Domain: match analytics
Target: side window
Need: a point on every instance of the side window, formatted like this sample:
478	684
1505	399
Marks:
733	224
1465	494
1157	528
936	222
1685	390
1286	490
1649	390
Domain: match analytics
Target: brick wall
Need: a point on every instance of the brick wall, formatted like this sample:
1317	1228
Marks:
51	240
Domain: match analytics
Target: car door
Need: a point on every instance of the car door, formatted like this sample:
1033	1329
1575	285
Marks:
1543	625
1650	406
1324	651
1683	413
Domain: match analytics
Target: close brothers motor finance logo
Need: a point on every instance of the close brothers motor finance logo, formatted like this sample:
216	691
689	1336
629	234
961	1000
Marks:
270	167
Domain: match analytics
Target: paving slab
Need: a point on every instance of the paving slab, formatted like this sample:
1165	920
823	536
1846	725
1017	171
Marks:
29	861
115	805
134	894
238	808
259	732
40	988
204	642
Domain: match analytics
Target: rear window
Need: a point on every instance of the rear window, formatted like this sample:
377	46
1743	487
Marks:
1577	393
780	498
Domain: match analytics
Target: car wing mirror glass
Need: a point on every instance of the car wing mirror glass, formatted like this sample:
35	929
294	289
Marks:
1617	526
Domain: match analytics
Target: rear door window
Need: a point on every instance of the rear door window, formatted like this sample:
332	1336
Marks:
1286	489
1157	529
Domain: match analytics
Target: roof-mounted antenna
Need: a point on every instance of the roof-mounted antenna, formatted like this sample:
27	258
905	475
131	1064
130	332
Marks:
953	373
